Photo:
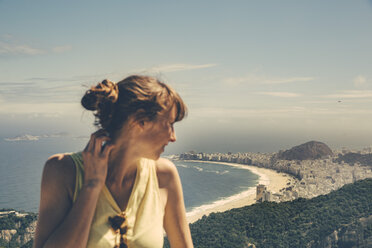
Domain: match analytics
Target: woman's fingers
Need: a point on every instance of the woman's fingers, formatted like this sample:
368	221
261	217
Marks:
96	140
95	157
107	149
101	144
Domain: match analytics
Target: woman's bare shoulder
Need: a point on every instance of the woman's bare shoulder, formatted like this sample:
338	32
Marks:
166	171
60	169
60	163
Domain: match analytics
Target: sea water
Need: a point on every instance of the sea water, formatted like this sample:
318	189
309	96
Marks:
207	184
21	165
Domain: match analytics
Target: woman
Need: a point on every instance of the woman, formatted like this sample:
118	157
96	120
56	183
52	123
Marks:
118	192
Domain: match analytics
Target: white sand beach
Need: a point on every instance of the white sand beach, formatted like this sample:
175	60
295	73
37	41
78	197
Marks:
273	180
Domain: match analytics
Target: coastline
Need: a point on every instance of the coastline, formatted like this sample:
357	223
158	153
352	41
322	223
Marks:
274	181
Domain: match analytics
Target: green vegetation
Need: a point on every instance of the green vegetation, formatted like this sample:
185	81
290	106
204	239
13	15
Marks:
288	224
13	222
351	158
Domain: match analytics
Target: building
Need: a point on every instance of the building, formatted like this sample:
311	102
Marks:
266	196
260	191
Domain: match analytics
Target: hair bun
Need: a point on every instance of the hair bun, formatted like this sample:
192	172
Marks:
103	93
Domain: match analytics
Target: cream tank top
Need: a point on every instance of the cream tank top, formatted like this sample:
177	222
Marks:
144	210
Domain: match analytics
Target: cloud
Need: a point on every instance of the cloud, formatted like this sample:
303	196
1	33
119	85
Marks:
41	90
7	36
243	113
280	94
35	110
61	49
287	80
276	113
258	79
360	81
45	95
10	46
15	49
251	79
50	95
179	67
351	94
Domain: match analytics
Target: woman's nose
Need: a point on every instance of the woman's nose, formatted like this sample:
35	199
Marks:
173	137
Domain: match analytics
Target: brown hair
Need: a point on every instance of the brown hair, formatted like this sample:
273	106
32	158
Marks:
142	96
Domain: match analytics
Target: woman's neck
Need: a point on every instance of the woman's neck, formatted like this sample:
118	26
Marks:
124	157
122	165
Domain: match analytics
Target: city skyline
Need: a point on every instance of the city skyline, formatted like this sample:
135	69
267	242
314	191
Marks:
256	76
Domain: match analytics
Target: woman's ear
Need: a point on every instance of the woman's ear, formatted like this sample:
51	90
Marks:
135	123
141	123
138	118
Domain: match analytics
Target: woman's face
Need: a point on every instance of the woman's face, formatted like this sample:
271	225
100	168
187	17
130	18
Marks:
158	133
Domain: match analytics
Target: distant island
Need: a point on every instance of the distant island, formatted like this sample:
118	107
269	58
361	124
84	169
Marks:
30	137
23	137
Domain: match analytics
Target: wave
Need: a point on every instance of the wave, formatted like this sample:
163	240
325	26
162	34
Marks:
182	165
221	172
211	171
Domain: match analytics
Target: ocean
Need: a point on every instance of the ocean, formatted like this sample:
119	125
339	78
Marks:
21	165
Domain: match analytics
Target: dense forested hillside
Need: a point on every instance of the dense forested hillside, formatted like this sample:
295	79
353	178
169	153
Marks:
300	223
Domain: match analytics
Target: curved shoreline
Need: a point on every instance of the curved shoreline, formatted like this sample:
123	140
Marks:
273	180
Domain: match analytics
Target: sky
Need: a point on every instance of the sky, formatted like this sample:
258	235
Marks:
257	76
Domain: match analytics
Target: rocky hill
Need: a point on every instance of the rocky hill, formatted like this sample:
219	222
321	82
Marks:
16	228
310	150
355	234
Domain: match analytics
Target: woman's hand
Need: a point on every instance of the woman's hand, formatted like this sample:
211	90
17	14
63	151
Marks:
95	157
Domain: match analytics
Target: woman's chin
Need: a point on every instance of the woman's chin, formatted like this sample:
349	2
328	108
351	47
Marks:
154	156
